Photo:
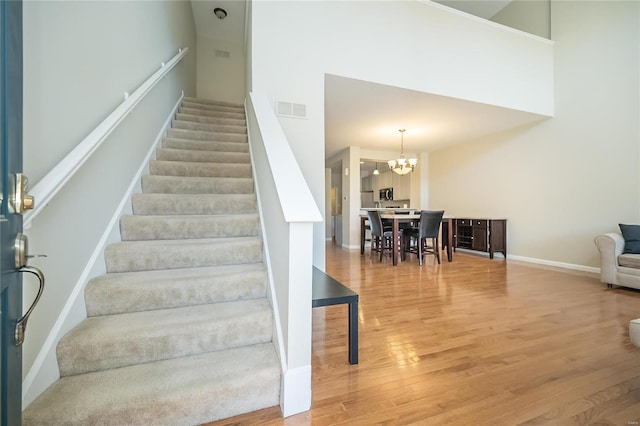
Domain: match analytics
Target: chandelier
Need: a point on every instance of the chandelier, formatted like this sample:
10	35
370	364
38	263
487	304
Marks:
402	166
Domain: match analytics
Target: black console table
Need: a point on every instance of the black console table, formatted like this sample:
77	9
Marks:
326	291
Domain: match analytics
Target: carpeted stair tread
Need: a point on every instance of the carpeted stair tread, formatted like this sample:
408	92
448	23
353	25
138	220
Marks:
195	169
189	155
208	113
206	136
137	227
122	292
183	391
205	145
211	120
185	204
202	101
208	127
113	341
196	185
130	256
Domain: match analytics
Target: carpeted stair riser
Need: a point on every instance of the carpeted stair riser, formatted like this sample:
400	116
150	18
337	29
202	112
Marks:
186	204
148	290
214	128
206	136
113	341
196	185
130	256
183	391
217	108
212	102
134	227
206	113
205	145
169	154
211	120
186	168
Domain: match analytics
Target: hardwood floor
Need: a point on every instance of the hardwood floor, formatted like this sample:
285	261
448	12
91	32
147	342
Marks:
473	342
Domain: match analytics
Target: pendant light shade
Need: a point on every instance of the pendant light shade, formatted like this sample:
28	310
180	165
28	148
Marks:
402	165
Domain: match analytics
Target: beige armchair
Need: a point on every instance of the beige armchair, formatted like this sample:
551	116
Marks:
617	268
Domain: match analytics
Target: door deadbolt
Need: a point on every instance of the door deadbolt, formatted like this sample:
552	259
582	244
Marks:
20	201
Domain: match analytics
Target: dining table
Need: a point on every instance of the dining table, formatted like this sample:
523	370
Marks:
396	219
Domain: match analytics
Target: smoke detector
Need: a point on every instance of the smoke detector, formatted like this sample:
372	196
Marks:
220	13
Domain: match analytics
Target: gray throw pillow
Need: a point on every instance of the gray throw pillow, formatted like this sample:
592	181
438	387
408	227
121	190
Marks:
631	234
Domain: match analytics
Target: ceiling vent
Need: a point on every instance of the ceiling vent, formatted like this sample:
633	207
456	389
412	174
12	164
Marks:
288	109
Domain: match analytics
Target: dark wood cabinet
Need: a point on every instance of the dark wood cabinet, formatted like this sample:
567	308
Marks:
480	232
487	235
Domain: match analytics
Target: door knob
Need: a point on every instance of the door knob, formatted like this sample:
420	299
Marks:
20	200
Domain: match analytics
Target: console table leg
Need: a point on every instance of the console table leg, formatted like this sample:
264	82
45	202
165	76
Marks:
362	235
353	332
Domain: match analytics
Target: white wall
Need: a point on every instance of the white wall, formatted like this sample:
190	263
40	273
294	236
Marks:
421	47
79	59
221	78
564	181
532	16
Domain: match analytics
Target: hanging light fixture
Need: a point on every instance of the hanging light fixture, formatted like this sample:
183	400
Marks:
376	172
402	166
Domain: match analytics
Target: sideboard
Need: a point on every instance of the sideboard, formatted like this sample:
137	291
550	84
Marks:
480	234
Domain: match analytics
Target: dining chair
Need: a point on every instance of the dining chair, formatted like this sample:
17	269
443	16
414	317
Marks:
428	229
381	238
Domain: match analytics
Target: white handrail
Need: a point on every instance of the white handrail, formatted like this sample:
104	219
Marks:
53	181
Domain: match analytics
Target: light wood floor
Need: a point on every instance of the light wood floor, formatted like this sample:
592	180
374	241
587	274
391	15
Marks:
473	342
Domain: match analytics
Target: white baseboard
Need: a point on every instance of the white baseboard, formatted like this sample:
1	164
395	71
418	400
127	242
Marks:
295	396
44	370
536	261
571	266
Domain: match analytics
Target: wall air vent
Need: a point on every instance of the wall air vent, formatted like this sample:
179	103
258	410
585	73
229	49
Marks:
288	109
222	54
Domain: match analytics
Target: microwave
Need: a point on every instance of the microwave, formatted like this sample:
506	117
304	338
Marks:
386	194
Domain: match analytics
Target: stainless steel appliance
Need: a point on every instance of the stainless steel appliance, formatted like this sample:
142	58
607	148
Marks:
386	194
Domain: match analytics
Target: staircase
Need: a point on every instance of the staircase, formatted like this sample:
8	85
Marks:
179	330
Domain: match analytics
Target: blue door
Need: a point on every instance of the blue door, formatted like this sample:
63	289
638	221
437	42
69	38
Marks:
10	219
